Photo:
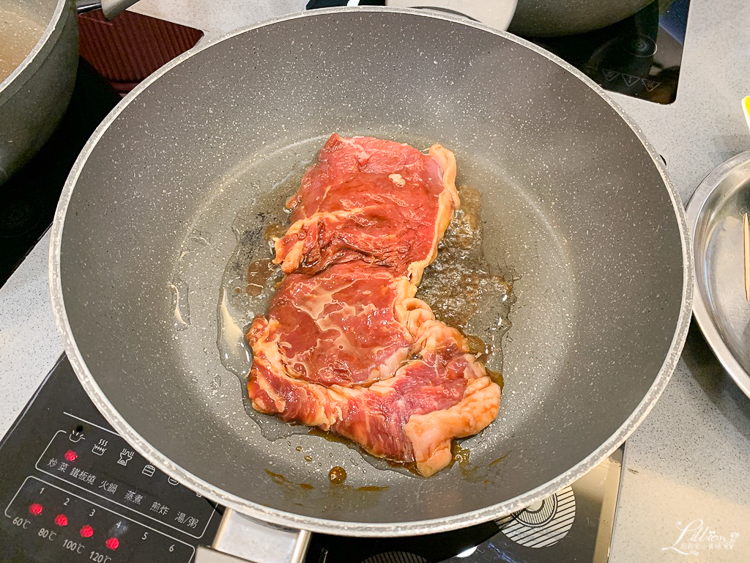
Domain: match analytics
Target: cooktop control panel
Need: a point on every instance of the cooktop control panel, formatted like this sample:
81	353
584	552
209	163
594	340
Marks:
73	490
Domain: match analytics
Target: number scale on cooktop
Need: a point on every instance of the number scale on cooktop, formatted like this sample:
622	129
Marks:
74	490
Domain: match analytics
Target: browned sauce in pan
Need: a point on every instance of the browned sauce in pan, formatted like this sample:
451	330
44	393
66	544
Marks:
461	287
472	471
329	436
496	376
247	285
411	467
477	347
460	455
455	285
274	231
258	274
279	479
372	489
498	460
461	279
337	475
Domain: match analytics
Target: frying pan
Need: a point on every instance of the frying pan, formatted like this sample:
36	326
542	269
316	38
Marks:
576	206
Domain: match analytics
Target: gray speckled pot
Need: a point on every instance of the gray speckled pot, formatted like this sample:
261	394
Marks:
34	97
576	204
550	18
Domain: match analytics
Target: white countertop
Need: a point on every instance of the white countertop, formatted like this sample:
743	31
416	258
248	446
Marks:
687	465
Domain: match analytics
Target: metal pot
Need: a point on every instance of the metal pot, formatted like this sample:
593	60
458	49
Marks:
34	97
549	18
574	200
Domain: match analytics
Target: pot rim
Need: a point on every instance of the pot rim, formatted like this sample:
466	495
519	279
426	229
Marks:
34	59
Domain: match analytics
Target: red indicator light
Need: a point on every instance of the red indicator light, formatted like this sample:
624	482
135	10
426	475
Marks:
61	520
87	531
35	509
112	543
71	456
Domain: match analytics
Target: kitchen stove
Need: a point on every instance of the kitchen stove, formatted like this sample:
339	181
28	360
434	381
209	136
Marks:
573	525
639	56
702	411
73	490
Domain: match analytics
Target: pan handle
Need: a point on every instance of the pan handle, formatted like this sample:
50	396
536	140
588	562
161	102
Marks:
242	539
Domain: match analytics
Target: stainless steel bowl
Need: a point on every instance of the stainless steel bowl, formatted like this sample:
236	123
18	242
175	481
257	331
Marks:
714	216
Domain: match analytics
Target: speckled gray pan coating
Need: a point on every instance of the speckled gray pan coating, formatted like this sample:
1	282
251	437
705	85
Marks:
575	206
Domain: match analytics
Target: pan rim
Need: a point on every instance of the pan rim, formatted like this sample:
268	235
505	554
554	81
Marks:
367	529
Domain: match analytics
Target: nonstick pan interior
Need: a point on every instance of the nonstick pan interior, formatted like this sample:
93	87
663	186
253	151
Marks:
575	208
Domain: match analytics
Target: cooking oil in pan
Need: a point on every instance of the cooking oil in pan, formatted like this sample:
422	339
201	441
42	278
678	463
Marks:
180	305
466	291
462	287
248	283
